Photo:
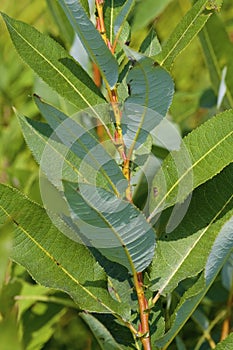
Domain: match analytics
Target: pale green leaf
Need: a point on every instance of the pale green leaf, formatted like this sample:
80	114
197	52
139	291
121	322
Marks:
146	11
122	16
65	28
151	45
53	64
220	249
184	252
202	155
114	226
194	295
227	273
193	21
5	249
218	52
51	258
91	40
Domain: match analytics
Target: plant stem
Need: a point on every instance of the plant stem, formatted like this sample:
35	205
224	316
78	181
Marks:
226	326
143	310
144	331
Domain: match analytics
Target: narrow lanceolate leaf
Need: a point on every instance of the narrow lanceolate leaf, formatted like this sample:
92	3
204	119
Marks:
218	52
194	295
53	64
122	16
60	155
91	40
95	161
184	252
147	11
183	34
202	155
113	226
51	258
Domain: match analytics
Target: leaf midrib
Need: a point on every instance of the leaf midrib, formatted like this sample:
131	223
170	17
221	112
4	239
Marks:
55	68
183	34
54	261
186	172
193	246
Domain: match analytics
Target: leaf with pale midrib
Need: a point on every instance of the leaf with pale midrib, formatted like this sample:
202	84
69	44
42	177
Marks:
186	30
113	226
184	252
53	64
202	155
195	294
51	258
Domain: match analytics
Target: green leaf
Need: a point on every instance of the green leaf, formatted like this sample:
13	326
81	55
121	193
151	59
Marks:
220	249
51	258
72	161
53	64
184	252
226	344
194	295
122	16
151	45
94	159
202	155
5	249
112	8
38	137
102	335
146	11
113	226
38	324
150	86
218	53
91	40
193	21
65	28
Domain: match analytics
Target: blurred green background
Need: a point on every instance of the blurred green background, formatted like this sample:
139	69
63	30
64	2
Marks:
32	317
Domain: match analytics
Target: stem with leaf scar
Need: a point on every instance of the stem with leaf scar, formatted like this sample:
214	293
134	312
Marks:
143	330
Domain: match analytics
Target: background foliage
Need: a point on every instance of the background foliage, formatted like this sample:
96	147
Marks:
35	317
